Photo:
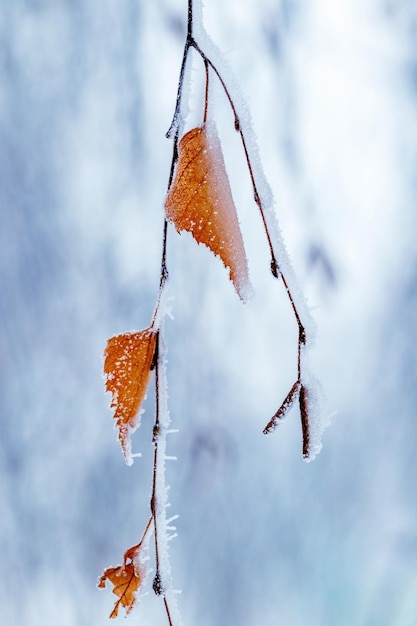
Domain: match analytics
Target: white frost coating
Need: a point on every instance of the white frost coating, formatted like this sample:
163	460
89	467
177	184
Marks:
161	490
141	562
286	269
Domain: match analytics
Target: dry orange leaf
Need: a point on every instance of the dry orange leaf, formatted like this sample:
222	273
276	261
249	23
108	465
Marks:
126	579
127	367
200	201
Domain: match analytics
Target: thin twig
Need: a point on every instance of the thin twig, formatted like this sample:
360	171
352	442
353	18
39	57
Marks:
274	263
206	93
155	437
303	399
188	42
282	411
145	532
190	20
275	269
159	431
167	611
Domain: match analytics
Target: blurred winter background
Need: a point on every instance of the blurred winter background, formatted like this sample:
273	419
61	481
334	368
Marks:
87	91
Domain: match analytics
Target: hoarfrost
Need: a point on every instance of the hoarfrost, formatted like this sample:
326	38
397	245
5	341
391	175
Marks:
162	523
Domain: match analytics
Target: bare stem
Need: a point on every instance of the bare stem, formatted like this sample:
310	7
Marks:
156	503
156	428
206	93
190	19
145	532
167	611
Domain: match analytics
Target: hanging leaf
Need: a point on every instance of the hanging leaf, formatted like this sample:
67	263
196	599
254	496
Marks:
200	202
126	579
127	367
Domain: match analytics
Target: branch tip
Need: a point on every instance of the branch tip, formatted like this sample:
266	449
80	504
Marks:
305	426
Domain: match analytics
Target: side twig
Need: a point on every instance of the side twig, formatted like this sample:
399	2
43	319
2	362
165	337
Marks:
298	389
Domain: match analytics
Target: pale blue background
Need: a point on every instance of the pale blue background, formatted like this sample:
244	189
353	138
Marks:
87	92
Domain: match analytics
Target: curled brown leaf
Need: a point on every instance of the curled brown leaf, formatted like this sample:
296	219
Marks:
126	580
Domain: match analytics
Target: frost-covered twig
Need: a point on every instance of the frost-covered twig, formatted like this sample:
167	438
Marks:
162	583
280	264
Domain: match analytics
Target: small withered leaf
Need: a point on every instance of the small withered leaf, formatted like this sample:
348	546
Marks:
126	580
200	201
127	367
305	426
282	411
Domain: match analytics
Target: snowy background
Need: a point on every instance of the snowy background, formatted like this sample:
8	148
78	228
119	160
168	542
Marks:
87	94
